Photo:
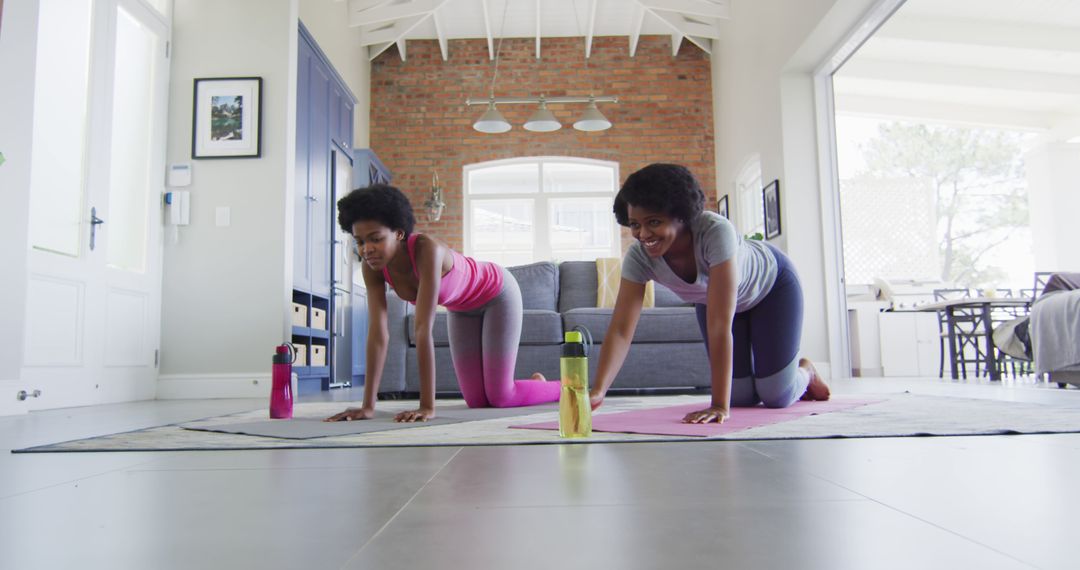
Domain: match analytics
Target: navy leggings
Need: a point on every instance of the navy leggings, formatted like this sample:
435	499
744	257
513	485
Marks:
765	353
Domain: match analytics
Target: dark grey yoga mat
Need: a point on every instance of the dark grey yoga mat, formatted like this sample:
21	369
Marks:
314	427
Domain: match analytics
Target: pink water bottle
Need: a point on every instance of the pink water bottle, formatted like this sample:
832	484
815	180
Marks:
281	388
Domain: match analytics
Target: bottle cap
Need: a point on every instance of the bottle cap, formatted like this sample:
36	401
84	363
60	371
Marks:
572	336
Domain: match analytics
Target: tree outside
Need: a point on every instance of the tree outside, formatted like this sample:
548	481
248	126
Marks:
966	186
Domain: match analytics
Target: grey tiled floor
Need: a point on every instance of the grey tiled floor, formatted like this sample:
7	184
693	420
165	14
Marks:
974	502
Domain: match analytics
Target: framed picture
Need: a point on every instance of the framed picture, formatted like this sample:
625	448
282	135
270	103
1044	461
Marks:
770	196
722	207
227	118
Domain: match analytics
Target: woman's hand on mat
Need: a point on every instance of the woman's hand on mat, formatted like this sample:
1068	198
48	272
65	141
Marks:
351	414
417	415
708	415
596	399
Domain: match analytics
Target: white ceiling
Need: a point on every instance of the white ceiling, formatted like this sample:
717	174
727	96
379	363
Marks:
383	23
1001	63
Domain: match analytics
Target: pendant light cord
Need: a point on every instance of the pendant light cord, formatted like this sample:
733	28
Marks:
577	24
498	50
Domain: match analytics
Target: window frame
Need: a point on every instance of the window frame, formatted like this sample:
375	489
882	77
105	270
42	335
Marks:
542	246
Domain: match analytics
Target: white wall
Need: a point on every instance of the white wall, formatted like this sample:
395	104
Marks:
226	289
328	22
764	98
18	44
1053	174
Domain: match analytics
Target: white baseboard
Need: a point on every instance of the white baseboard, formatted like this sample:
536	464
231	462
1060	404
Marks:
203	386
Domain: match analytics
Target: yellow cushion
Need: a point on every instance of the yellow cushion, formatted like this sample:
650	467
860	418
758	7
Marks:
608	277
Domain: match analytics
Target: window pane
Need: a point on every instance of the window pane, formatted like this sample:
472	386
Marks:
509	179
132	127
60	114
505	258
582	228
502	228
577	177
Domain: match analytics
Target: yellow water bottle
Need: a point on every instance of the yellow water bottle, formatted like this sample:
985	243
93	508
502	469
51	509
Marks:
575	414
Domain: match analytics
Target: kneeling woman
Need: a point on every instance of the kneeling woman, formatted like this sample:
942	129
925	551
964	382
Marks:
747	294
483	300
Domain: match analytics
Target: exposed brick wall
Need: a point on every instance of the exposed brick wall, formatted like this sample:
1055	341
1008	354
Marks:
420	123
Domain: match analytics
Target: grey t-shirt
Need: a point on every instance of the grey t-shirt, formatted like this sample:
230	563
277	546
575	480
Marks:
715	241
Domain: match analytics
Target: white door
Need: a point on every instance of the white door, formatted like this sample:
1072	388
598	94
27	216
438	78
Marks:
97	176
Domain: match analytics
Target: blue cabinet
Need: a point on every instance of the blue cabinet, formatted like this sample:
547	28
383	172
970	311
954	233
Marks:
324	135
368	169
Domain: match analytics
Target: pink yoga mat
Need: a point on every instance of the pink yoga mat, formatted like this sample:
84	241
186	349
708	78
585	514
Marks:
668	420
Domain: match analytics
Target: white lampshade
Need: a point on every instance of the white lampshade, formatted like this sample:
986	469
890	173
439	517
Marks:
492	121
543	121
592	119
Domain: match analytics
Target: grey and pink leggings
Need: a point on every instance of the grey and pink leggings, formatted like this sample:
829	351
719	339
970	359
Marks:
765	353
484	346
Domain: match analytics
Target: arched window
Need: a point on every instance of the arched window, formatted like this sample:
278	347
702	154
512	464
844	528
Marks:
523	210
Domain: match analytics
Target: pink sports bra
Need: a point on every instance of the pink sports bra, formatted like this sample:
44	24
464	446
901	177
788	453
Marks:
467	286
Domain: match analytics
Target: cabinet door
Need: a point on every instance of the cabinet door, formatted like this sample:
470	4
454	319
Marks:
301	204
899	346
910	345
319	177
929	351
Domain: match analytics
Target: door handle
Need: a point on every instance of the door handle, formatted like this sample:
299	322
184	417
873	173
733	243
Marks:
94	223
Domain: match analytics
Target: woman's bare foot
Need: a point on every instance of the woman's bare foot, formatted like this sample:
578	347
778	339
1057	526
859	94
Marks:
817	389
538	377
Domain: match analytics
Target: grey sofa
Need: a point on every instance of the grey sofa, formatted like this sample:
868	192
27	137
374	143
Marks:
667	350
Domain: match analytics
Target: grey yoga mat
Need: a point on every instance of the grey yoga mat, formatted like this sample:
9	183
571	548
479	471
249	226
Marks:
314	427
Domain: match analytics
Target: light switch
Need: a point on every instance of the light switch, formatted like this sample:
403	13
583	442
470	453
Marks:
222	216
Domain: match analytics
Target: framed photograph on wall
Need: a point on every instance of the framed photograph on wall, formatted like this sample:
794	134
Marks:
227	118
770	196
722	206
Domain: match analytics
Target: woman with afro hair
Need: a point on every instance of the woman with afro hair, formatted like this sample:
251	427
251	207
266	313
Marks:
482	298
747	295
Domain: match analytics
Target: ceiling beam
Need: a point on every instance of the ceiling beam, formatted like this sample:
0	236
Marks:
440	31
392	12
924	73
591	27
487	29
695	29
537	28
637	18
897	108
390	32
376	51
702	8
705	44
982	33
361	5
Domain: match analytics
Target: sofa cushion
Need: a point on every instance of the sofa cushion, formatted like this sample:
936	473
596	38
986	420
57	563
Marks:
541	327
662	324
539	283
537	328
577	285
667	298
438	330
